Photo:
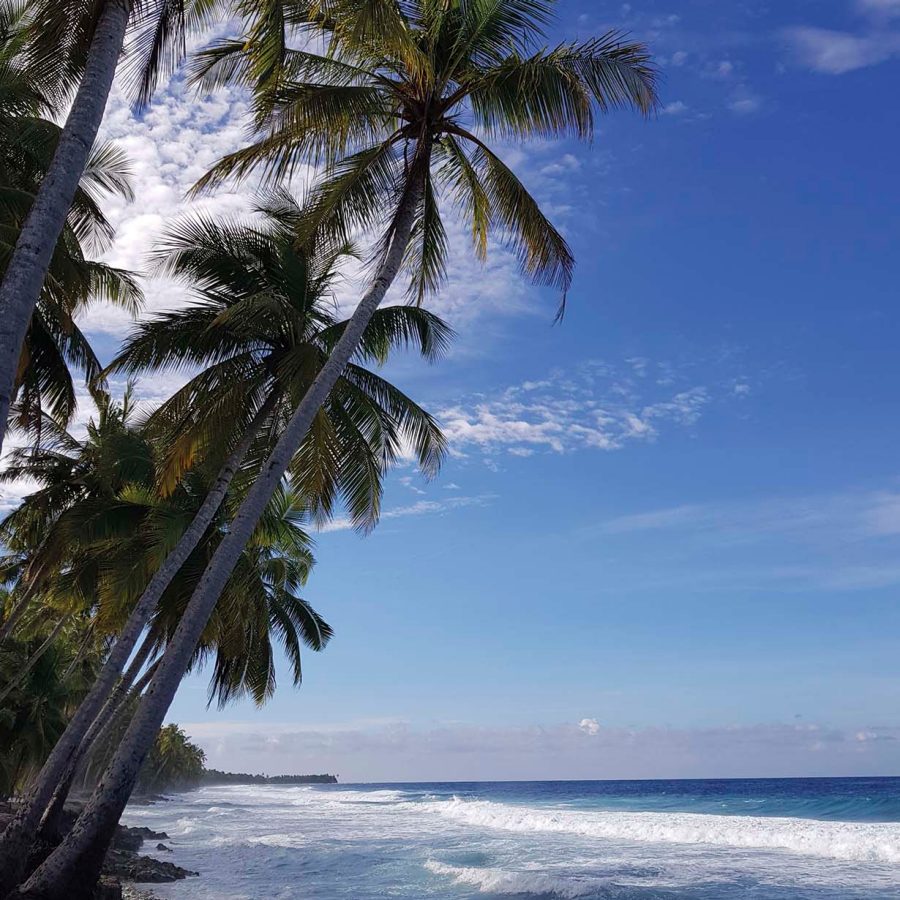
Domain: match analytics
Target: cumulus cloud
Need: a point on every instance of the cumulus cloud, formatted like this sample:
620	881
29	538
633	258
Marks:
182	134
675	108
400	751
744	103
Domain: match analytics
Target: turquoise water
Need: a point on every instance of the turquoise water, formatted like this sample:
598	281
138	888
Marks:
790	839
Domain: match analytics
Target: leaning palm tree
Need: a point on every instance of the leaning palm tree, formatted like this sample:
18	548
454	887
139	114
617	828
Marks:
30	91
402	103
258	608
261	333
262	324
59	43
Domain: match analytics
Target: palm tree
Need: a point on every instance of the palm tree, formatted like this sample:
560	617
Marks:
258	607
263	326
173	763
31	90
35	712
385	112
64	42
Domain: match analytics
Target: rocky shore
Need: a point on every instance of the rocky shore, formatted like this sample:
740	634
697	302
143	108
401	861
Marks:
124	867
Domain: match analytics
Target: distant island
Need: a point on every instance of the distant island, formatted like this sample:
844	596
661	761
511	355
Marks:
214	776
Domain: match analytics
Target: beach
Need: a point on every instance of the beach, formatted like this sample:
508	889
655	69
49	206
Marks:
815	839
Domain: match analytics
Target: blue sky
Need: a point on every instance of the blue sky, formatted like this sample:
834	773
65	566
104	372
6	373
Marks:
666	542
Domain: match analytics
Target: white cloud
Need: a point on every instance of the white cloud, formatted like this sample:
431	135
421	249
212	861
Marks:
594	407
419	508
744	102
675	108
589	726
838	52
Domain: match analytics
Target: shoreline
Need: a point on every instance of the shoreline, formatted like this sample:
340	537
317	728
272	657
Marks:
127	874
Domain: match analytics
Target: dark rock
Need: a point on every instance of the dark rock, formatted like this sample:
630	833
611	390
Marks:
131	838
108	889
143	869
164	847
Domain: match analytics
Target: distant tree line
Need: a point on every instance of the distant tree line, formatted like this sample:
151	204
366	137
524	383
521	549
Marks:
214	776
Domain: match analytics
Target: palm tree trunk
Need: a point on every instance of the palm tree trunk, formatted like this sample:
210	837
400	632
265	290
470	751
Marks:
21	830
50	830
107	722
33	660
75	865
45	221
82	652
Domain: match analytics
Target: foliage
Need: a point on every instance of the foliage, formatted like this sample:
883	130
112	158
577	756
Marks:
215	776
34	714
30	96
427	84
261	325
174	763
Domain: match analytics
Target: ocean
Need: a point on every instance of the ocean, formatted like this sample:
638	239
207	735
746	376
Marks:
785	839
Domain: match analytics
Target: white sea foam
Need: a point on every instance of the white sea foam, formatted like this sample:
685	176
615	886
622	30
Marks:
856	841
499	881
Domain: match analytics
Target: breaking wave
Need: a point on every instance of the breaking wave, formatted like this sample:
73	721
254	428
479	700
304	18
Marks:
856	841
498	881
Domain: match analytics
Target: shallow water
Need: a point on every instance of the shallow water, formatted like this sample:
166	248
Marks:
816	839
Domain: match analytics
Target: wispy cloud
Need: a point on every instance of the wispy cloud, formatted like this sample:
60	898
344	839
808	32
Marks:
834	52
596	406
857	515
879	9
838	52
845	541
419	508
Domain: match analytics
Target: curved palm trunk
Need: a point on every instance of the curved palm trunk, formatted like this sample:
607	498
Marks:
82	652
45	221
33	660
73	868
21	831
50	830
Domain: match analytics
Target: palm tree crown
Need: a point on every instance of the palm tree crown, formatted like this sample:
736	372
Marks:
437	78
262	325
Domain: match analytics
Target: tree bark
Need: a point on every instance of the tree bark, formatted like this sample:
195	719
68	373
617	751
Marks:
73	868
21	830
46	219
50	830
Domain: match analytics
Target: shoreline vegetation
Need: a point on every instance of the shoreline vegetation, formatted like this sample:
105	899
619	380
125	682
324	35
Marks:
153	541
214	776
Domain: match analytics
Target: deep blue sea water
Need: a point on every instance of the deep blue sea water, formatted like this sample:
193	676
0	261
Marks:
785	839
